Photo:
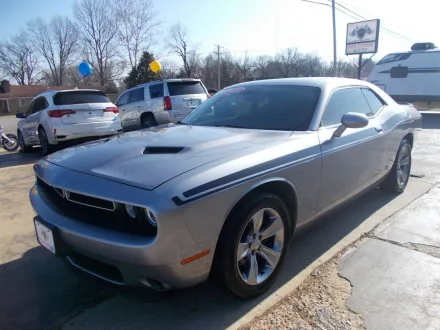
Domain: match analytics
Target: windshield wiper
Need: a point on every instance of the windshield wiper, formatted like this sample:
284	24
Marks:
233	126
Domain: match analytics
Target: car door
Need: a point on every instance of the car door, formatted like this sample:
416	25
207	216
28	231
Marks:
352	161
123	106
22	124
156	103
33	119
136	106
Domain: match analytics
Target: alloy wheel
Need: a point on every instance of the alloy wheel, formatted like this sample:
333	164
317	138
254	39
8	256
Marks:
403	165
259	248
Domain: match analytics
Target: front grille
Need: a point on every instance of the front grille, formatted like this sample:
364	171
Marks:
90	201
115	219
96	267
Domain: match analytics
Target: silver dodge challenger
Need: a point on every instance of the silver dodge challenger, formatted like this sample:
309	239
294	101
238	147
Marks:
221	192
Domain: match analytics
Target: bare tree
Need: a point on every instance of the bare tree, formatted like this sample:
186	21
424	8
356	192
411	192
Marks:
245	67
19	60
262	64
289	61
96	24
56	42
138	23
179	44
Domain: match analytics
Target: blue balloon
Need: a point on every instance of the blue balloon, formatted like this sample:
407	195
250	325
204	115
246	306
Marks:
85	69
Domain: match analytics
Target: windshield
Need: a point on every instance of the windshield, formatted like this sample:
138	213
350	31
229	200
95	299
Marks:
267	107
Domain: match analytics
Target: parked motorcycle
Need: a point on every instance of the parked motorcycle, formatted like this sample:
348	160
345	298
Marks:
9	142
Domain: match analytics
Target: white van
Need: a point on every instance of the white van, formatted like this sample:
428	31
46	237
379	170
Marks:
412	77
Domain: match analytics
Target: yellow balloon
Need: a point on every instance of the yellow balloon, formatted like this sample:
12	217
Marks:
155	66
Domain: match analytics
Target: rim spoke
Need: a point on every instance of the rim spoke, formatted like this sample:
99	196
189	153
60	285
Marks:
404	176
253	270
399	176
257	221
242	251
404	161
271	256
273	229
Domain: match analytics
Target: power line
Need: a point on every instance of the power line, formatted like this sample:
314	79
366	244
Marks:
388	31
382	27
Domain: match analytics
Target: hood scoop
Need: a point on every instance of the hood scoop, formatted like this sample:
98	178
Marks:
162	150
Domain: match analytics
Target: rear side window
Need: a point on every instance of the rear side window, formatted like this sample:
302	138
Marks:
39	104
343	101
137	95
80	97
124	99
156	91
374	102
185	88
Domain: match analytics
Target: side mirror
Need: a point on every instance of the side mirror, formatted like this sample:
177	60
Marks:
351	120
20	115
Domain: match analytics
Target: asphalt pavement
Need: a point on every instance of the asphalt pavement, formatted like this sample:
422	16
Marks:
9	124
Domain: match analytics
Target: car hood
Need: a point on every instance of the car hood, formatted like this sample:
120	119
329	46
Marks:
148	158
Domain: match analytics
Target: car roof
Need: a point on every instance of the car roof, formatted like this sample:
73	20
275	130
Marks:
327	82
165	80
53	92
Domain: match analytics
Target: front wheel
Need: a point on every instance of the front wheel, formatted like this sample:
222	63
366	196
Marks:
397	179
22	145
252	246
12	144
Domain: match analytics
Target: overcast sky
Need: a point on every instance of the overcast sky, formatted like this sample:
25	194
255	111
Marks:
263	26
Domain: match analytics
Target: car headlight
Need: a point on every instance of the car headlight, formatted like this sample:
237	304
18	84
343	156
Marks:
150	217
131	211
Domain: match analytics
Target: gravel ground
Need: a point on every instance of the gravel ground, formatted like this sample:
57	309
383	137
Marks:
319	303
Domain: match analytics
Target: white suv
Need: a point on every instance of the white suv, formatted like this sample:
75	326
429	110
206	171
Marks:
56	117
160	102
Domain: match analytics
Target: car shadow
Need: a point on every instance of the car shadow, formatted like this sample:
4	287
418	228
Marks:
207	306
9	159
38	292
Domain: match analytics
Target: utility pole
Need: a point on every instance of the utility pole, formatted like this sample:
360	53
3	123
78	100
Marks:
218	65
335	68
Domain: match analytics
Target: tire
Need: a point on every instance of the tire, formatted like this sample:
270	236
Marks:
11	146
238	250
397	178
147	121
21	144
46	147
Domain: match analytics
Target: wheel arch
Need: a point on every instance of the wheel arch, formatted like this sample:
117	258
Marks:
410	137
281	187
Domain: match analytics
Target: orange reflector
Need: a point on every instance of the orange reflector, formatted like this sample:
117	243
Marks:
195	257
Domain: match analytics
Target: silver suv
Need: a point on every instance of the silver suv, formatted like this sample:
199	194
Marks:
160	102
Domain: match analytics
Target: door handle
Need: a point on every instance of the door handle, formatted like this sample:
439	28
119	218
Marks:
378	129
123	109
138	106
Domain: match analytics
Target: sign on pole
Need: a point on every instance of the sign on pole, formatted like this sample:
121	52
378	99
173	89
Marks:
362	37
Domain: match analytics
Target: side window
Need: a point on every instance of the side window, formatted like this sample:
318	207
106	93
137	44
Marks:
375	103
137	95
124	99
39	104
29	108
156	91
343	101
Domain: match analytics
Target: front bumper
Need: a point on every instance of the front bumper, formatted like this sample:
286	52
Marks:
136	260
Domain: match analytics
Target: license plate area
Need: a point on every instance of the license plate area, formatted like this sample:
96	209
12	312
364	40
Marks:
49	237
193	103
